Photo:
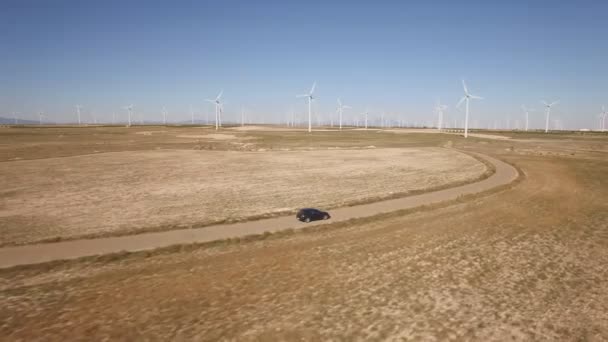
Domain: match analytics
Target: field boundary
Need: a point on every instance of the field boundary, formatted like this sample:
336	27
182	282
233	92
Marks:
49	252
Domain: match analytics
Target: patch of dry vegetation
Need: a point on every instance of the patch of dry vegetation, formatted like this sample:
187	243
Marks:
129	192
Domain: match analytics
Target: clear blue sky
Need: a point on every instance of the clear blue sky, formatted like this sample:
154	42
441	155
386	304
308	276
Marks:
396	57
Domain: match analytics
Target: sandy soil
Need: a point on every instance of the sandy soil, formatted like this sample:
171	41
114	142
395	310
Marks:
489	136
217	136
411	130
529	263
117	193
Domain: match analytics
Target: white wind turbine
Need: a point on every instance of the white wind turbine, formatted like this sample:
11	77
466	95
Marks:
164	116
15	117
218	109
603	119
242	116
341	107
439	108
310	99
40	115
527	111
129	109
78	108
548	112
366	115
467	97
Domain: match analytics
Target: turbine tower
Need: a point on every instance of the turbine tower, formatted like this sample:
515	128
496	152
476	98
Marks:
467	97
439	108
310	99
129	109
527	111
78	108
40	115
218	109
15	117
548	113
164	116
341	107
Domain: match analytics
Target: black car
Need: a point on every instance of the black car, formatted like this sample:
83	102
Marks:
312	214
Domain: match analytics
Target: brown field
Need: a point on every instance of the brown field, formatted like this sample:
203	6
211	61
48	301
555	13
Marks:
134	191
526	263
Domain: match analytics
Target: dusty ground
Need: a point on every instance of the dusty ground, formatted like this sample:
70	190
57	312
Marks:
529	263
124	192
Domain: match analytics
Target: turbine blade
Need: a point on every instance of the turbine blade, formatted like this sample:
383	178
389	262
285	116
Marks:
464	86
339	102
554	103
476	97
347	107
210	101
544	103
461	101
220	94
303	95
312	90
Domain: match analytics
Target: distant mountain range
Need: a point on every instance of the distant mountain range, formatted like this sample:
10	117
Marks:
11	121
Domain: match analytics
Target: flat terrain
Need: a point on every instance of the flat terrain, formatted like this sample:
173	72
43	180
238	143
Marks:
525	263
129	192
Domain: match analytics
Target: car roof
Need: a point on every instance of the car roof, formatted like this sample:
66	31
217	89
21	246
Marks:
310	209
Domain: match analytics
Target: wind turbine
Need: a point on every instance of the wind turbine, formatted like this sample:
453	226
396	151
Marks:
439	108
467	97
218	109
548	113
40	115
366	114
310	99
603	117
242	116
129	109
527	111
341	107
15	117
78	108
164	116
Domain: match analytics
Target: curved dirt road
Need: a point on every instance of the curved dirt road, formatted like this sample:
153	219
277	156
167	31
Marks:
39	253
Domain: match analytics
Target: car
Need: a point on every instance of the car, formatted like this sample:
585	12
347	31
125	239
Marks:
312	214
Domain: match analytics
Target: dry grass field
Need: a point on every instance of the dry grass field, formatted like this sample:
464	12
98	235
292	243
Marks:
125	192
526	263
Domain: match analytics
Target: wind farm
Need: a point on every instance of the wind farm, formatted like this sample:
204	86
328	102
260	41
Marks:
304	173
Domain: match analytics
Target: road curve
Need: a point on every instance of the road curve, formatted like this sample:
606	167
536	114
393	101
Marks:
40	253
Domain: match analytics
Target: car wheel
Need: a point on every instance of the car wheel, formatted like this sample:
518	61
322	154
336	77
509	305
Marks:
326	217
307	219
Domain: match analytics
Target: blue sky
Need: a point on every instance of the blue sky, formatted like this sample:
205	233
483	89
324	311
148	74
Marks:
396	57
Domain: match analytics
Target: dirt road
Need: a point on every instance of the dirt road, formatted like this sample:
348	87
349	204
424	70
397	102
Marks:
31	254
